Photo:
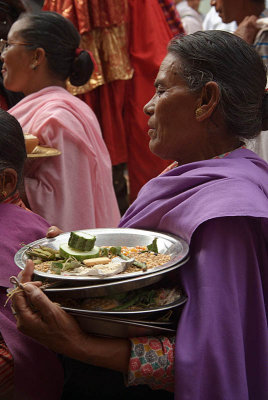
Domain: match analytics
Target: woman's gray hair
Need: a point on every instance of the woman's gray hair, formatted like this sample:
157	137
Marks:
237	69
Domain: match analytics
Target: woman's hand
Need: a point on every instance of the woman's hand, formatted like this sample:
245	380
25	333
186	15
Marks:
44	320
53	231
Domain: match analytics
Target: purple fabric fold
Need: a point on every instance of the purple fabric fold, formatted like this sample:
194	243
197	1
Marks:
38	373
220	207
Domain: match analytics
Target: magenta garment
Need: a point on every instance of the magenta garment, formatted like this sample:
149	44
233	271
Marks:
38	373
220	207
73	190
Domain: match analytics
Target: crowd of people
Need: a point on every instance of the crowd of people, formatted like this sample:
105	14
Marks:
200	174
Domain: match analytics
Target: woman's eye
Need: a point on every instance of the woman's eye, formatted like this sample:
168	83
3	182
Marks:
159	92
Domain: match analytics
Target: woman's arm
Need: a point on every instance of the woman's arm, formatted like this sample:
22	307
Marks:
54	328
145	360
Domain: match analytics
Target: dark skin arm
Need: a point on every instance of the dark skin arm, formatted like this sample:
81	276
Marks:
59	331
248	29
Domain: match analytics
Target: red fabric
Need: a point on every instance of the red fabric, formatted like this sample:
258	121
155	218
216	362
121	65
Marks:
149	37
119	104
3	103
6	369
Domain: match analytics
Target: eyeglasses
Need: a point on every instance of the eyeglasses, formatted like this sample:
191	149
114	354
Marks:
4	45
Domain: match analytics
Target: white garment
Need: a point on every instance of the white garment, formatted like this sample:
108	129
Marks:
192	20
213	21
260	145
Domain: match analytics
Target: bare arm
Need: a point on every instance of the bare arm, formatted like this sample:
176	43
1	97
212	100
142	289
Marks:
248	29
60	332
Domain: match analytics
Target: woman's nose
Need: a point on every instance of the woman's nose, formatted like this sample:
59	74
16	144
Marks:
148	109
213	2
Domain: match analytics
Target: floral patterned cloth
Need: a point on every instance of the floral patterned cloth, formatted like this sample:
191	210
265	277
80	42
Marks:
152	362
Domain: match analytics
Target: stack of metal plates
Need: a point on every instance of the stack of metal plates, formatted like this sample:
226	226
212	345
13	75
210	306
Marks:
123	323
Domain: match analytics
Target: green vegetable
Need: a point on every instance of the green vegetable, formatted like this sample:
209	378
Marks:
56	267
153	246
115	250
70	264
104	252
81	241
43	253
138	264
66	252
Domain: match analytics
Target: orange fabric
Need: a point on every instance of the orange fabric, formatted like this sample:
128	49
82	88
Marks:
88	15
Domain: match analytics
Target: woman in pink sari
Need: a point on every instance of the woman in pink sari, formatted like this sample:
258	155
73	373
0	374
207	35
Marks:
41	53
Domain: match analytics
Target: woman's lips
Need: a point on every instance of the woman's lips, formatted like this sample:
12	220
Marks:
152	133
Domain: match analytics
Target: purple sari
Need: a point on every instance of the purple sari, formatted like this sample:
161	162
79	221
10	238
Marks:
37	371
220	207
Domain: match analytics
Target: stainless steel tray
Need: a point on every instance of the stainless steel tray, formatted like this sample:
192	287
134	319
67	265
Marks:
110	288
130	314
121	328
167	244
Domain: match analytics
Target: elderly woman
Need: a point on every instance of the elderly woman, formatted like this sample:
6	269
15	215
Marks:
40	54
210	96
21	372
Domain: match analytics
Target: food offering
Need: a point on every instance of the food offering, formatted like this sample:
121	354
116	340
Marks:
35	150
114	281
81	257
31	141
104	254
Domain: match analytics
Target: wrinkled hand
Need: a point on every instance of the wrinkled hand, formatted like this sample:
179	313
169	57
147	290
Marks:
49	325
248	29
53	231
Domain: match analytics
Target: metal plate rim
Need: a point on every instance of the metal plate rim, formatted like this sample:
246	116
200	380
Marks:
182	300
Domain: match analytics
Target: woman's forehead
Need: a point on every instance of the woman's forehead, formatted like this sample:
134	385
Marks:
170	68
17	27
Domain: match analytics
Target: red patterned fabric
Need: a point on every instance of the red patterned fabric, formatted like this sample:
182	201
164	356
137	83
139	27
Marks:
6	369
172	16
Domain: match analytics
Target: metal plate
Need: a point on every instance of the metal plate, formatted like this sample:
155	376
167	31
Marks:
119	327
148	313
110	288
167	244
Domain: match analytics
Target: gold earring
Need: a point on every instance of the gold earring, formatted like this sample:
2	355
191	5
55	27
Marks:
198	112
4	194
34	66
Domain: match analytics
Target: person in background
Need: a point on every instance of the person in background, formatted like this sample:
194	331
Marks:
210	96
25	366
192	19
247	14
41	52
213	21
251	17
9	12
129	31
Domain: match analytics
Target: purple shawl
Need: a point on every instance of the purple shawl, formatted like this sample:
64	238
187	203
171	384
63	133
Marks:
38	373
220	207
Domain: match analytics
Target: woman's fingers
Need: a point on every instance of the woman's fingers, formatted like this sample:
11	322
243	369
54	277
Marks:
53	231
45	321
26	275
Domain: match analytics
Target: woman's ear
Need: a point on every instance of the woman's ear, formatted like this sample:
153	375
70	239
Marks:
8	182
38	57
208	101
